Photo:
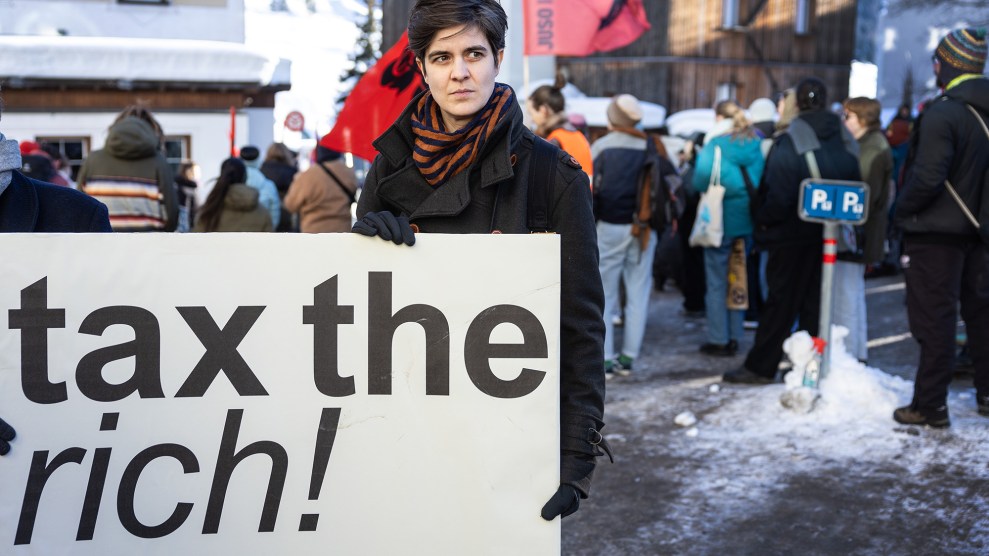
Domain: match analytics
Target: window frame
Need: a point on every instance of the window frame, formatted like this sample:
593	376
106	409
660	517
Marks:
85	141
185	150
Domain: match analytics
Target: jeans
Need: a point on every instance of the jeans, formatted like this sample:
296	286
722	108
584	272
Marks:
622	260
722	324
848	302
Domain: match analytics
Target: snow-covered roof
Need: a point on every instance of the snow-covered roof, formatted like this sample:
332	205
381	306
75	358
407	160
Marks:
686	122
130	59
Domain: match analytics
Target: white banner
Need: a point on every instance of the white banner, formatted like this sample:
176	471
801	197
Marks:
279	394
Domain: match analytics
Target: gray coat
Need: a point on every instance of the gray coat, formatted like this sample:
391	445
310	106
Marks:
492	195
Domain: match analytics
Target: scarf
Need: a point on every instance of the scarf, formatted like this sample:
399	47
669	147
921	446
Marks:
634	132
10	159
440	155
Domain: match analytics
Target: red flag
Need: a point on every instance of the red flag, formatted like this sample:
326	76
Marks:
376	101
581	27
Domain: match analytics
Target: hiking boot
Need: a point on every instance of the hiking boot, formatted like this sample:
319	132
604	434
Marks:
623	365
742	375
910	415
720	350
983	402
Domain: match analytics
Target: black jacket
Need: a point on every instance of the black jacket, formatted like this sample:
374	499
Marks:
948	144
777	223
32	206
492	195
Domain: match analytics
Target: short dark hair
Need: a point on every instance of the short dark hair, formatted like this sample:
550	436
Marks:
428	17
812	94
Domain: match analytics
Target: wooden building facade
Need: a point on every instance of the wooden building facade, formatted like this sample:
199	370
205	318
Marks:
701	51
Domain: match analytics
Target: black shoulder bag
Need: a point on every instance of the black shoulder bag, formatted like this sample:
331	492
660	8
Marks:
338	182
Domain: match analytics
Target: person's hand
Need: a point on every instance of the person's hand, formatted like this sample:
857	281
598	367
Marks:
563	503
6	435
386	225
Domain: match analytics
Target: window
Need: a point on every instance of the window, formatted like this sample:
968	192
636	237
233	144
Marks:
726	91
177	149
802	23
729	14
76	149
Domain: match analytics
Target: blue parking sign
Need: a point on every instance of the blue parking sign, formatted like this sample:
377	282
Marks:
834	201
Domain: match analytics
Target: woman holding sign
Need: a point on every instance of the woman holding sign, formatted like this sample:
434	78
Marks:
460	160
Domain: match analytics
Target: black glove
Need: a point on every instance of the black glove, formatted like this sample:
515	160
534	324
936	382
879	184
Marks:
385	224
6	435
563	503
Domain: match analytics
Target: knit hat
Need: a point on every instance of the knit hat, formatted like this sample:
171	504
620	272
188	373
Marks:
250	155
964	49
29	147
762	110
624	111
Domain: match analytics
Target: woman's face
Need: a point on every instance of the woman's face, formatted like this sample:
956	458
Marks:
460	69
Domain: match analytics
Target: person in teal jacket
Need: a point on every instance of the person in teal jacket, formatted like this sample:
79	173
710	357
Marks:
739	146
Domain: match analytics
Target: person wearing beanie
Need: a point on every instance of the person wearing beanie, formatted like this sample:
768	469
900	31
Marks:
626	254
267	192
762	114
944	252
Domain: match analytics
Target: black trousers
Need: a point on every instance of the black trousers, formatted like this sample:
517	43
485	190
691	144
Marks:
692	281
793	274
938	277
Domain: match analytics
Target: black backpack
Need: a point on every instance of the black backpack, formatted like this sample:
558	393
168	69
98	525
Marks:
542	174
660	183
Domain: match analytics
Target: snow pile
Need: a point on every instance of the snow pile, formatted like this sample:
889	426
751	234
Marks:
849	386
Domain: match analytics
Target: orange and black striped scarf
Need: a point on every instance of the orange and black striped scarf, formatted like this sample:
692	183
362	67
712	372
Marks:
439	154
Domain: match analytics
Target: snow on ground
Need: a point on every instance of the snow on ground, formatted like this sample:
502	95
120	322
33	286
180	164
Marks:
752	477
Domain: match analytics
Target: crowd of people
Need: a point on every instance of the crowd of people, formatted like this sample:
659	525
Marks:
143	192
461	160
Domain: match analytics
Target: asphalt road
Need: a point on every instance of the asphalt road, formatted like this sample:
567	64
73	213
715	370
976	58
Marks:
654	500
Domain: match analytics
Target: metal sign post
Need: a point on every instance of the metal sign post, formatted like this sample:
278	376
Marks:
832	203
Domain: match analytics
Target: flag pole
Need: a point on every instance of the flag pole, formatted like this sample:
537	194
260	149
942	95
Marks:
525	74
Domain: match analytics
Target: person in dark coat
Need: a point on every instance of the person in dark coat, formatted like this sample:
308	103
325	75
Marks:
793	271
280	167
483	189
28	205
944	260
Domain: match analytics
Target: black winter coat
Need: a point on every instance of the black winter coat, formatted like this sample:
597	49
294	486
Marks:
777	222
492	195
948	144
33	206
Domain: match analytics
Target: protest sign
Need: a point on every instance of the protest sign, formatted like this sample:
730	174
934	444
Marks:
279	394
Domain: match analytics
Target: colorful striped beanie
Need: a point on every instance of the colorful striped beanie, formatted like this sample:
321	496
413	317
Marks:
964	49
